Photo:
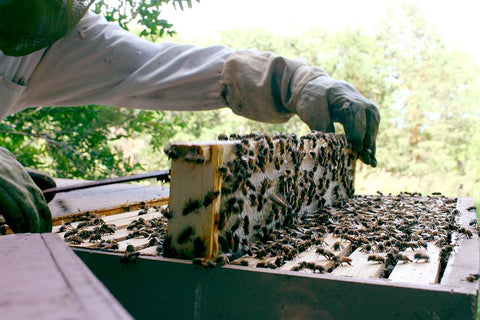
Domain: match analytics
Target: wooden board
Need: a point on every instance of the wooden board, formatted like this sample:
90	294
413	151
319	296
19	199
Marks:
180	291
43	279
419	271
104	198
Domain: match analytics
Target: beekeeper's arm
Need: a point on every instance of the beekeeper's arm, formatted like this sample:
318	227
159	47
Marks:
100	63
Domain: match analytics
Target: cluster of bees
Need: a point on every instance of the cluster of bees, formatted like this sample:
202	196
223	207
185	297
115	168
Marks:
382	226
269	181
95	231
282	194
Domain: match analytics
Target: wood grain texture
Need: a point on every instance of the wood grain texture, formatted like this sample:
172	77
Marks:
43	279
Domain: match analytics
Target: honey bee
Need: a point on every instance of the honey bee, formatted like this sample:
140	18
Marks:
191	206
402	257
222	260
473	277
341	259
210	197
185	235
74	239
129	256
324	252
376	258
222	136
421	256
204	263
337	246
246	225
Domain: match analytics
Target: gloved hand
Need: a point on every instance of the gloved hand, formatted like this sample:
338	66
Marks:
21	202
324	100
266	87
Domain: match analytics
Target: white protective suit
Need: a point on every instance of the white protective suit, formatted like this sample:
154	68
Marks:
100	63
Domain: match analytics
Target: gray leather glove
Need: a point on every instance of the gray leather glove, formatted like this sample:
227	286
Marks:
324	100
21	202
266	87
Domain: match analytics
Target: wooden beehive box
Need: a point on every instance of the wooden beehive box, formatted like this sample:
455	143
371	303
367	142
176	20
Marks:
359	290
401	256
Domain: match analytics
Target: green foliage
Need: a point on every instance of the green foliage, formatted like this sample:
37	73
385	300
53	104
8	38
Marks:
145	13
87	142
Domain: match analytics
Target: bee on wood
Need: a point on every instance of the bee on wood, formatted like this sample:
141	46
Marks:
191	206
339	260
421	256
224	246
266	183
83	224
108	228
253	200
152	241
222	136
109	245
236	225
185	235
167	213
221	220
98	221
402	257
243	263
95	237
210	197
246	225
172	153
250	185
466	232
324	252
84	234
376	258
129	256
473	277
194	157
222	260
70	233
74	239
337	246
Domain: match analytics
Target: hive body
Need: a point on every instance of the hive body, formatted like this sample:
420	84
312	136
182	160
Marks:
227	194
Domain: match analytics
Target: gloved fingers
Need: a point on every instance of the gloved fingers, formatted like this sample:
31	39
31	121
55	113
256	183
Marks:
24	211
360	120
43	181
367	155
14	209
21	202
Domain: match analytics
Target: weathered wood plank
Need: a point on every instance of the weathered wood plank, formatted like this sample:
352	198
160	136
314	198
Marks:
43	279
418	270
310	255
104	198
360	267
184	292
465	259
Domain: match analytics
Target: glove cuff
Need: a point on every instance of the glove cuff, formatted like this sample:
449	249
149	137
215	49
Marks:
263	86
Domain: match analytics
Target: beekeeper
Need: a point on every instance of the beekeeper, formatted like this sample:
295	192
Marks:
57	53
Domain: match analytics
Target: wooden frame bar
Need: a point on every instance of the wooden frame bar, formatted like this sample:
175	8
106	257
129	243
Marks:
178	290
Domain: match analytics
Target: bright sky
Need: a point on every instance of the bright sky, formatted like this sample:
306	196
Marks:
456	21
